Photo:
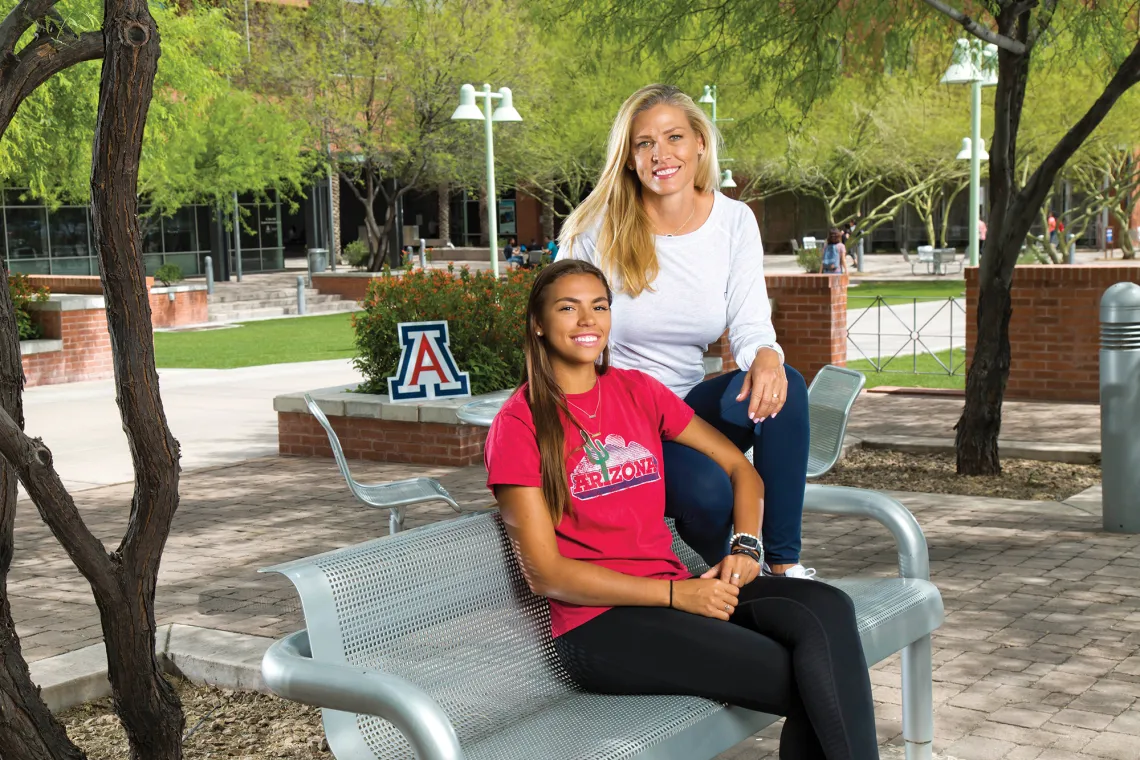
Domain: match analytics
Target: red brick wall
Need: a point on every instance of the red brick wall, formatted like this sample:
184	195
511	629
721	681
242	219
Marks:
88	285
1054	331
189	307
354	288
86	353
810	318
382	440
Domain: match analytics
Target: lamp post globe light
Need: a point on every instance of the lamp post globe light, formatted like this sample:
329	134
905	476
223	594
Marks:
975	64
468	111
709	98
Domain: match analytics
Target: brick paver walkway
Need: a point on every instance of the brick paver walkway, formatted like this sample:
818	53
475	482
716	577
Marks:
883	414
1038	659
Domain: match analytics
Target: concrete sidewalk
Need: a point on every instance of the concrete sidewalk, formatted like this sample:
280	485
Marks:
219	416
880	415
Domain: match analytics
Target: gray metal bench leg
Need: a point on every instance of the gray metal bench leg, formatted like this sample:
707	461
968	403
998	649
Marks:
918	700
395	520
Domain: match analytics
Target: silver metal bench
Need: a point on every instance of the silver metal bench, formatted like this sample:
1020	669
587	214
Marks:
396	496
830	397
429	644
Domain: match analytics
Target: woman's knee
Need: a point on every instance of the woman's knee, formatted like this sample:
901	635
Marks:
827	602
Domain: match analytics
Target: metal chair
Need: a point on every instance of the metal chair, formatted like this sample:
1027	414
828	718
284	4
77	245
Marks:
830	397
396	496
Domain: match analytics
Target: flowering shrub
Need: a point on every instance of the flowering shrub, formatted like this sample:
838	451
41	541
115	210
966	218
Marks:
486	323
23	293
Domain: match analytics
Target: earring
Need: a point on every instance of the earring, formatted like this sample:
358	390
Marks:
539	333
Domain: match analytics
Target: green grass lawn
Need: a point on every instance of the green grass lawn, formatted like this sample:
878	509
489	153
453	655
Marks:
273	341
859	295
899	371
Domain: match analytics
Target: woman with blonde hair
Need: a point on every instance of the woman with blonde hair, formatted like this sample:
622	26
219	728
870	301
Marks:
687	263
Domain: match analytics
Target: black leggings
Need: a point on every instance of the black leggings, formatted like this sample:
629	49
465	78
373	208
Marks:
792	649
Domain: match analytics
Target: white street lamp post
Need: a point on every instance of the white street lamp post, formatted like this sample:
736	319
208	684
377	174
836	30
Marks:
710	97
467	110
974	64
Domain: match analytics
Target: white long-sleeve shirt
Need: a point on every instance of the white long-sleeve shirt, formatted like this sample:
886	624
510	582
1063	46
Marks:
709	280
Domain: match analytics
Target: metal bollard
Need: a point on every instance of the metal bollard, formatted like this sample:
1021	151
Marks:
300	294
1120	407
423	254
209	276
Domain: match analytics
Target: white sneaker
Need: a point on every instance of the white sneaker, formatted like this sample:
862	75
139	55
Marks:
795	571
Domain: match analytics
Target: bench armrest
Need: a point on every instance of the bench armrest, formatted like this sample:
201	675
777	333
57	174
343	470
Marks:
290	671
914	559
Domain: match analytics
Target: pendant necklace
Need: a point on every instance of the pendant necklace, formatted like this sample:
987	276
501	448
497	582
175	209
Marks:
685	223
597	408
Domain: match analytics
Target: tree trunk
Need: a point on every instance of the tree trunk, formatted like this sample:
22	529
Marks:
546	217
28	730
980	424
443	198
146	703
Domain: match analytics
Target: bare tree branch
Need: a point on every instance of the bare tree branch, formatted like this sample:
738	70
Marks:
1126	76
980	31
18	21
33	464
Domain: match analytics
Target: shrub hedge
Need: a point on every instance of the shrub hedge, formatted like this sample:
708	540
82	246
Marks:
486	323
23	293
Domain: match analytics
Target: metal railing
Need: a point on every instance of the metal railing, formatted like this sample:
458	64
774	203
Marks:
896	334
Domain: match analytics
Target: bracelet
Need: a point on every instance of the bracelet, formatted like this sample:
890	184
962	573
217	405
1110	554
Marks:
670	594
747	552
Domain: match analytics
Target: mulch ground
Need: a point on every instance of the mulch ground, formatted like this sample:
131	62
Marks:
220	723
935	473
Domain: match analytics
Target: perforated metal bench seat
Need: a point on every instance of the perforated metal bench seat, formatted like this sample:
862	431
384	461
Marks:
434	631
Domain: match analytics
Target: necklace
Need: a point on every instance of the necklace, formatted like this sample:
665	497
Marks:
685	223
597	408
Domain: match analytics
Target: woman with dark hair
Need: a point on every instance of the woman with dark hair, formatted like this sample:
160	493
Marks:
687	265
575	460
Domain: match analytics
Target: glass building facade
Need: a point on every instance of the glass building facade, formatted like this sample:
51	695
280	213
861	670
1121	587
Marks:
39	240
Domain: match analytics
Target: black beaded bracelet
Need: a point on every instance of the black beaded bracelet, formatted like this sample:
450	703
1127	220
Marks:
749	552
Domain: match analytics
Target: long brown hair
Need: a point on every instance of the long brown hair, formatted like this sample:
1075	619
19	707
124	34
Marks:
627	248
546	399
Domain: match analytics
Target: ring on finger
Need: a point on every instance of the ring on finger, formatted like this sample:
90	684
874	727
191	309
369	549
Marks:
727	608
736	575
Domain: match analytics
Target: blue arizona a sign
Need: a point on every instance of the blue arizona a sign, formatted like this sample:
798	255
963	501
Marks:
427	369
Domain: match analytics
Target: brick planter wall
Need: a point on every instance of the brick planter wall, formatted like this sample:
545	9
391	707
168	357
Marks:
349	285
1054	331
299	434
78	327
189	307
810	317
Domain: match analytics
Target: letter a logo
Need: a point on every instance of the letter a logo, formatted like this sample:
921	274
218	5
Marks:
427	369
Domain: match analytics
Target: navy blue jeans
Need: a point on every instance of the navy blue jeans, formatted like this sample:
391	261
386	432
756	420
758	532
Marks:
698	493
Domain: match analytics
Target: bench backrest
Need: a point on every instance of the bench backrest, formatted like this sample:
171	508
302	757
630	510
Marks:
926	253
830	398
444	606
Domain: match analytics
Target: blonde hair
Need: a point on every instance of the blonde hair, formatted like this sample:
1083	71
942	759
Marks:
628	254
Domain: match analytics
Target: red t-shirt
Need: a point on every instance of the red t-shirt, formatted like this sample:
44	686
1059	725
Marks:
617	514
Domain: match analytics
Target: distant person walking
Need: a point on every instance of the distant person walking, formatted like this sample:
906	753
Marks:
1052	224
834	253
